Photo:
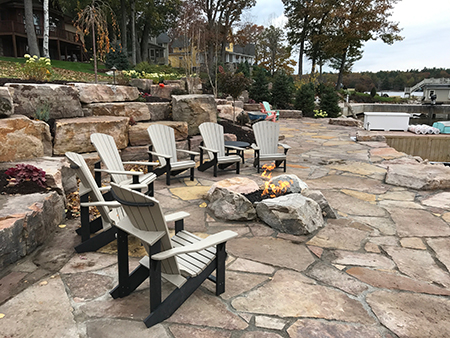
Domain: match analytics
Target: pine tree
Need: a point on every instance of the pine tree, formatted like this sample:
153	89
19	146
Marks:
304	100
282	90
259	90
329	102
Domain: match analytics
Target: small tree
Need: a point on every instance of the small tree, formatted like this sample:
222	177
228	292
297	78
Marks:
282	90
259	90
329	102
304	100
117	58
233	84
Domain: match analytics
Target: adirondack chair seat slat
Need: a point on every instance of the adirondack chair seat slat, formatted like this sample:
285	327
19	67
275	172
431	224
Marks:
185	260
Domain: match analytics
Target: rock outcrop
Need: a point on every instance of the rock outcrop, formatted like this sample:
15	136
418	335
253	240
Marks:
6	103
91	92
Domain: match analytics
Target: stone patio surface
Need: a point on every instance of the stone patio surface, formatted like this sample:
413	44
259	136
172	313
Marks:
380	270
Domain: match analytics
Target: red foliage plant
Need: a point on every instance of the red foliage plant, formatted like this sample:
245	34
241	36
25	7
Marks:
26	172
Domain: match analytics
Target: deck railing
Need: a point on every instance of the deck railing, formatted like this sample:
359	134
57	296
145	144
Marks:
9	27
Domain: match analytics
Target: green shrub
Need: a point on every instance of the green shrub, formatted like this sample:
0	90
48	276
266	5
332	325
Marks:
37	68
42	112
304	100
259	90
329	102
282	90
117	58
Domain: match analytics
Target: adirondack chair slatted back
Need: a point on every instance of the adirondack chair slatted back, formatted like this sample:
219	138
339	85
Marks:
213	138
163	140
88	186
266	136
107	150
148	218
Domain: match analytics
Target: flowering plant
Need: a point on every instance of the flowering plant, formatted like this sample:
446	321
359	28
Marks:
37	68
25	172
319	113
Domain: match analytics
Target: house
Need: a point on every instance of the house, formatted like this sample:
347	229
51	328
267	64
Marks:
435	91
182	53
158	49
64	43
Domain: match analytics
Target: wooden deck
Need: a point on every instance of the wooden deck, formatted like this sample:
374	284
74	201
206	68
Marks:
431	147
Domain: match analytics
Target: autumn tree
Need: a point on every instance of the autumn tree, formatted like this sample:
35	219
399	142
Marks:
357	21
271	52
93	19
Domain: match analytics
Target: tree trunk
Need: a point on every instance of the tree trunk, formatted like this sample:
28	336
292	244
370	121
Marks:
123	28
45	47
94	52
144	42
341	69
300	58
33	47
133	32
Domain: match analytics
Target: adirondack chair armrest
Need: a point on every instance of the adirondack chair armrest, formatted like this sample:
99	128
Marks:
215	239
103	189
176	216
134	186
285	146
254	147
149	237
120	172
235	148
141	163
110	204
158	154
208	149
188	152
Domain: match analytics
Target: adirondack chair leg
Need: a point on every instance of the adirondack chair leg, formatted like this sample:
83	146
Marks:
94	225
168	172
100	240
178	297
191	176
98	175
238	164
85	231
220	269
122	258
155	278
284	165
179	226
151	189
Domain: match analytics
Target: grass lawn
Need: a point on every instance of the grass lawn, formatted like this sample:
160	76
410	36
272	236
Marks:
62	70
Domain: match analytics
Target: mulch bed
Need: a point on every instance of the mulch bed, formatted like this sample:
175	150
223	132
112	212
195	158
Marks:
23	188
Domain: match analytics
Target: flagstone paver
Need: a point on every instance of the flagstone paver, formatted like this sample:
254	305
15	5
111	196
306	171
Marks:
244	265
296	296
338	237
412	315
360	259
441	247
353	206
320	329
183	331
418	223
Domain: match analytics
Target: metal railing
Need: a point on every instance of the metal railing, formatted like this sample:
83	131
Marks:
9	27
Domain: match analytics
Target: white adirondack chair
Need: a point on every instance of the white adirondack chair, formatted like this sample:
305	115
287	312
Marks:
214	145
107	150
184	260
110	212
266	147
163	142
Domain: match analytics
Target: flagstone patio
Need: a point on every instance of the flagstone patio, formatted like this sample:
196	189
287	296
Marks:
380	270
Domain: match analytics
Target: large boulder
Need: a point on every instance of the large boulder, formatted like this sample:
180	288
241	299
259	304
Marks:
293	214
316	195
136	110
163	91
291	114
296	185
159	111
194	109
6	102
229	112
139	134
419	176
230	206
62	101
27	221
142	84
22	138
240	185
91	92
74	134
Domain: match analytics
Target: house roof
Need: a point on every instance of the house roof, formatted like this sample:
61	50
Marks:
163	38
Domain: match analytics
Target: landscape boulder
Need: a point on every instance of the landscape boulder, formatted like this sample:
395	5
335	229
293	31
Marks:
316	195
230	206
74	134
194	109
165	91
346	121
419	176
61	101
22	138
6	103
139	134
293	214
137	110
229	112
296	185
91	92
159	111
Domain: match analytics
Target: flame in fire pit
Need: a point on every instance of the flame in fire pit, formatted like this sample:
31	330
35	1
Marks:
271	189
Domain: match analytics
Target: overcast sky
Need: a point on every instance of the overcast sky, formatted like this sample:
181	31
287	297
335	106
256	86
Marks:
425	27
